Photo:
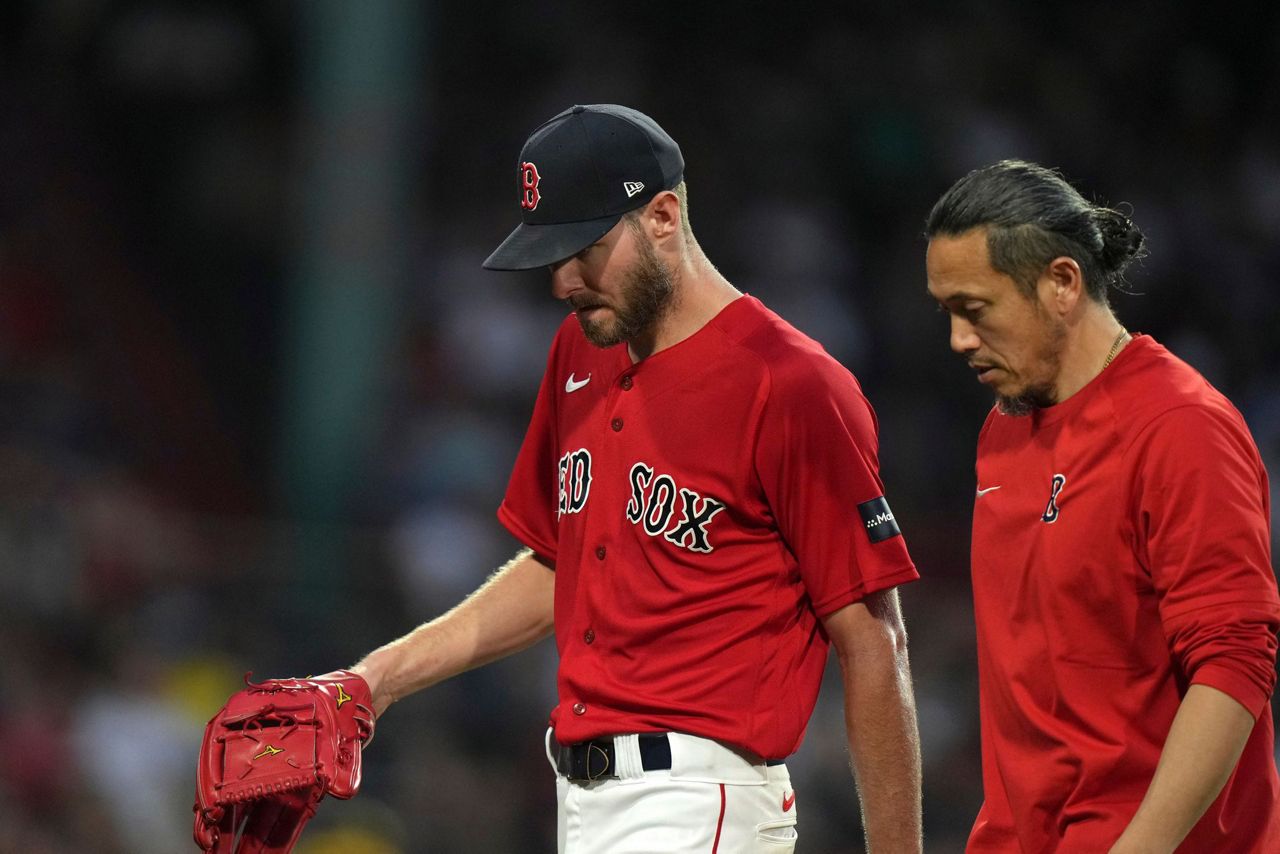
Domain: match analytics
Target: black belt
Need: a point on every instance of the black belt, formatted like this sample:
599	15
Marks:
595	759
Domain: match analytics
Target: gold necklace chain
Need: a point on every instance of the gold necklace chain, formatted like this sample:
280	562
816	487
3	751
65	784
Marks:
1115	346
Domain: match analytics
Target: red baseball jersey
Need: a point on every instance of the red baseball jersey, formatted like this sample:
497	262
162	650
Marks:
703	507
1121	552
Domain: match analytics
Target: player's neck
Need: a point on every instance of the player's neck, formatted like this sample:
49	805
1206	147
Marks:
1098	337
700	294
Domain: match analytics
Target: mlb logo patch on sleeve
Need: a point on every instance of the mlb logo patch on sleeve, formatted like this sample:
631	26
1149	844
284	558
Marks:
878	520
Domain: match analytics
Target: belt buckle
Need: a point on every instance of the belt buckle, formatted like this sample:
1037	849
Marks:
592	749
587	761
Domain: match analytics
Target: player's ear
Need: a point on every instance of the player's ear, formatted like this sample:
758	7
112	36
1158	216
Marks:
661	217
1065	282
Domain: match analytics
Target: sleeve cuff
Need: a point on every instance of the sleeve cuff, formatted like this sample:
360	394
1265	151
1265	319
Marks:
524	533
831	604
1242	689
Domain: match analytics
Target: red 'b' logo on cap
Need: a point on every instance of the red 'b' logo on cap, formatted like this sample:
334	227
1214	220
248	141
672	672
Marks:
529	178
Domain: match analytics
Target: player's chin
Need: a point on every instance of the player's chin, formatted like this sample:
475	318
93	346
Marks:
598	331
1025	398
1015	405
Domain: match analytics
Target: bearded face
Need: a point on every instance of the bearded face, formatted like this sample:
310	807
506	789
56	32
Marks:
643	297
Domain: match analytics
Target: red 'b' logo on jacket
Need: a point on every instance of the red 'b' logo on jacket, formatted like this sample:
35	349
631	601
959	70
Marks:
529	178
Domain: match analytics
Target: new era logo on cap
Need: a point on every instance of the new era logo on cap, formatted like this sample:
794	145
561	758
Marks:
578	174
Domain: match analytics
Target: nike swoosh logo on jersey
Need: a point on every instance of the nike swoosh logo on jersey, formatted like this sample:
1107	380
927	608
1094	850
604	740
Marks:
571	385
981	492
788	802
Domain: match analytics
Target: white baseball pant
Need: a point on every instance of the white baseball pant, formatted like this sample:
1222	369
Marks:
712	800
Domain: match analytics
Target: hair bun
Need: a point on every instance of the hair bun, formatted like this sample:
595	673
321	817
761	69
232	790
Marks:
1122	242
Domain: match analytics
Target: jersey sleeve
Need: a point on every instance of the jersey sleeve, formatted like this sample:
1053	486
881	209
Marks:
528	510
1204	533
817	461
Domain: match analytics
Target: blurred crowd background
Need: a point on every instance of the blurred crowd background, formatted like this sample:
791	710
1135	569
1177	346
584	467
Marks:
258	401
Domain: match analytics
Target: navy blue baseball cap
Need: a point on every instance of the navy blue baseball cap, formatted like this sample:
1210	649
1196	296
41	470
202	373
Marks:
578	174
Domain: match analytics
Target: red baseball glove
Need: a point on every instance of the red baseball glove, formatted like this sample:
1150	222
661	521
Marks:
270	756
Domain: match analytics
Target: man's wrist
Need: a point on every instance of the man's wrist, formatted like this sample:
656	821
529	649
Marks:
369	670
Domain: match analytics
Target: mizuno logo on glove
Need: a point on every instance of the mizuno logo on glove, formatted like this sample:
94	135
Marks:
269	751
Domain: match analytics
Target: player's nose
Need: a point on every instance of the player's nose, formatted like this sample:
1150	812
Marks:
963	338
566	278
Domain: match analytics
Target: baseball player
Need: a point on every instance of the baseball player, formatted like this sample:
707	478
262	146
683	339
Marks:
1125	601
699	497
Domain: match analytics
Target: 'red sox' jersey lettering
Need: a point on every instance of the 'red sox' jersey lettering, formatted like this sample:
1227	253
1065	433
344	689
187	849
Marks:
653	504
575	481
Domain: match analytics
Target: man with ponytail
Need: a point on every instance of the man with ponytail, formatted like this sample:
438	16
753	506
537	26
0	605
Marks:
1125	602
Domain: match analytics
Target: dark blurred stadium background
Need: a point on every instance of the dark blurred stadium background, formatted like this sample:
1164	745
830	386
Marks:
258	401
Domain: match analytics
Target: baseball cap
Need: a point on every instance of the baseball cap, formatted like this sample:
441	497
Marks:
578	174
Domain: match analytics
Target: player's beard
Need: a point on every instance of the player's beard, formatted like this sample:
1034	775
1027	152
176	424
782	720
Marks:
1041	392
647	294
